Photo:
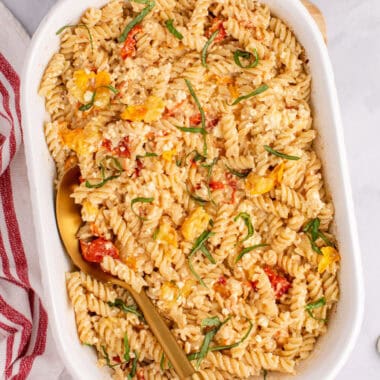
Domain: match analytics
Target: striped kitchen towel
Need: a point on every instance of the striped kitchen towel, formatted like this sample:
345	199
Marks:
27	350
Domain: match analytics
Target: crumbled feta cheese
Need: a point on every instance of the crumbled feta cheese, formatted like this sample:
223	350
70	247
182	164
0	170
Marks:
88	96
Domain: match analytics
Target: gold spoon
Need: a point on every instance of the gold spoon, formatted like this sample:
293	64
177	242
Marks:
69	221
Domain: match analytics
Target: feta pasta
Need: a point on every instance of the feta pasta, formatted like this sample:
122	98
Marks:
192	127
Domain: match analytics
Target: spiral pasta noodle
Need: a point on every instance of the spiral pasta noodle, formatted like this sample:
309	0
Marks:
193	132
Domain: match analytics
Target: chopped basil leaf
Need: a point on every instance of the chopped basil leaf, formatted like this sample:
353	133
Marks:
195	198
207	45
248	222
132	374
315	229
102	183
111	88
58	32
243	174
140	200
209	168
246	55
229	346
248	249
209	336
149	6
162	362
123	307
315	305
208	254
127	349
201	111
193	271
312	229
107	358
279	154
325	239
214	321
115	164
258	91
201	240
193	130
155	234
147	154
173	30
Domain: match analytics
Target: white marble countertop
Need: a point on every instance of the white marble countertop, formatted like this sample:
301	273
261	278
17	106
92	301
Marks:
354	35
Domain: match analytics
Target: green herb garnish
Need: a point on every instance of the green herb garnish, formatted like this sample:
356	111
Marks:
149	6
247	250
132	374
196	198
248	222
207	45
243	174
201	240
169	25
193	130
265	374
313	233
200	245
140	200
116	166
155	234
246	55
127	309
229	346
209	168
127	349
214	321
146	155
258	91
59	31
279	154
201	111
107	359
315	305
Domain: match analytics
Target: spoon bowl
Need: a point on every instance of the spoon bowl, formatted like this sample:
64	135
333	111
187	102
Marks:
69	221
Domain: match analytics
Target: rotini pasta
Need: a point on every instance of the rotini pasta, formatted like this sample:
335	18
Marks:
193	132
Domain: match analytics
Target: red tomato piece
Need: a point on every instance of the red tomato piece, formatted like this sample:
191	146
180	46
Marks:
212	123
216	185
140	375
97	249
279	283
139	167
195	119
129	48
253	285
116	359
233	185
217	24
107	144
222	280
122	150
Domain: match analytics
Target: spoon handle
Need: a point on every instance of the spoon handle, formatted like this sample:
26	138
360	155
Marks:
172	350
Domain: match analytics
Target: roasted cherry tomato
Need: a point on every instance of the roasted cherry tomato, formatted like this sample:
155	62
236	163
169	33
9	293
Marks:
217	24
129	48
216	185
279	283
97	249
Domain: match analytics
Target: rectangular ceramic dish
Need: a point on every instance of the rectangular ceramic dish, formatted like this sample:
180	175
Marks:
333	349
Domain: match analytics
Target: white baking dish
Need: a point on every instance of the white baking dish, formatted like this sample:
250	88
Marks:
332	350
